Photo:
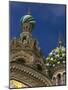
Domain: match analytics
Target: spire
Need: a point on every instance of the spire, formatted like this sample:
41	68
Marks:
60	43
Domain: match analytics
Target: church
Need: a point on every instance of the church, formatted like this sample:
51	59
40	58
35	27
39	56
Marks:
28	67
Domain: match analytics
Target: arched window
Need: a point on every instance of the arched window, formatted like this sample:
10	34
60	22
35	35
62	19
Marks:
24	38
59	79
20	61
39	67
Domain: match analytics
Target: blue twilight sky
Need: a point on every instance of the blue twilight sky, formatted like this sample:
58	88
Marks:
50	21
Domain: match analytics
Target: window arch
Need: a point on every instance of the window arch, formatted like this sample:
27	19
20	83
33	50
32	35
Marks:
39	67
59	79
20	61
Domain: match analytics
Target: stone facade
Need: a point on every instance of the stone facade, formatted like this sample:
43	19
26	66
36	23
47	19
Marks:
27	64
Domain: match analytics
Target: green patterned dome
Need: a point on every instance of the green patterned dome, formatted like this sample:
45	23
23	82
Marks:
28	19
56	56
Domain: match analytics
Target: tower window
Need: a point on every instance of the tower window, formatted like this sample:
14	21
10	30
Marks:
59	79
27	27
39	67
20	61
24	38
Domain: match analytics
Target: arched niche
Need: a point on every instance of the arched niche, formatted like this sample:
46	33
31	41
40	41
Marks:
39	67
59	79
20	61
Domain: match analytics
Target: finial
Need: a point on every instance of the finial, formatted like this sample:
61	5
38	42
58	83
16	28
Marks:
59	40
29	11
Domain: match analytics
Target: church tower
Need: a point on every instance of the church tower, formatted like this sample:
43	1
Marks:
27	25
27	68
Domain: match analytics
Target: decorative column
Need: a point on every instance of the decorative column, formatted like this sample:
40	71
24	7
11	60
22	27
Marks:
56	81
62	79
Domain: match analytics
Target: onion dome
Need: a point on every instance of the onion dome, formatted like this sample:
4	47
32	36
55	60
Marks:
28	19
56	56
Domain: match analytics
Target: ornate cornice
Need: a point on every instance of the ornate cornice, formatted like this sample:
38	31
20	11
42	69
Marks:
31	72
